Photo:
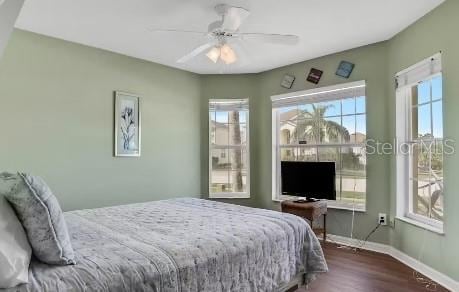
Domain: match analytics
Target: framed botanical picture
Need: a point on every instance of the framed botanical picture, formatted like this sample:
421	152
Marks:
345	69
127	124
314	76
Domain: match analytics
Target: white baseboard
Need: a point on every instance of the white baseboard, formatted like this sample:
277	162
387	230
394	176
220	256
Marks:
372	246
422	268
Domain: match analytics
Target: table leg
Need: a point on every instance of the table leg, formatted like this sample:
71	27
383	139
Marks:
325	228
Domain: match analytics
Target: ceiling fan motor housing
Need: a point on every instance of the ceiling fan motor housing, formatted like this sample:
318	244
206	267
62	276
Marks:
222	9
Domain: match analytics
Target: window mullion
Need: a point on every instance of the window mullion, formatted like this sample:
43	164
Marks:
229	168
341	158
431	109
340	174
278	157
430	150
430	182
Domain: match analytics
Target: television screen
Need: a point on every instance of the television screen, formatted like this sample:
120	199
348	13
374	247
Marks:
314	180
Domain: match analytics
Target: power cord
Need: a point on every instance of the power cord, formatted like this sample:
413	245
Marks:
421	279
362	243
428	284
424	281
352	221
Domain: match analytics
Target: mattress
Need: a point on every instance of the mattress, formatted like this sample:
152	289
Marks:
182	245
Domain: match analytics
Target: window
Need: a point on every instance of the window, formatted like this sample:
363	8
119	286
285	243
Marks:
229	175
326	124
420	132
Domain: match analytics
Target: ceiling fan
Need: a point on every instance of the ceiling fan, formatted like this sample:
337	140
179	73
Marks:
222	32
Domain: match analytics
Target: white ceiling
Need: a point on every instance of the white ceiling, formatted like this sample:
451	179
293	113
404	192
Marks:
122	26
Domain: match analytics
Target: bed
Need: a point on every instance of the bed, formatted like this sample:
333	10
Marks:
182	245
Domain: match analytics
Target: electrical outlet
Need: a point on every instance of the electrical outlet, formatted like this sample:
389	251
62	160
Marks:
382	219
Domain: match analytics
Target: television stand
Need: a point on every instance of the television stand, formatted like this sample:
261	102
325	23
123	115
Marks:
311	211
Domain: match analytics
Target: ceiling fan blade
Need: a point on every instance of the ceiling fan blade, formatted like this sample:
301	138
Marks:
178	31
195	52
283	39
233	18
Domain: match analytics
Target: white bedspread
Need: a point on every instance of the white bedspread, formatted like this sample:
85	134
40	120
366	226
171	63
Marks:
182	245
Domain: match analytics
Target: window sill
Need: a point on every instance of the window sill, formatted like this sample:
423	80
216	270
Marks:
336	206
229	196
422	225
346	208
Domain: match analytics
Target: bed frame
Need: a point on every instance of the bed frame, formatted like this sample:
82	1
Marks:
297	282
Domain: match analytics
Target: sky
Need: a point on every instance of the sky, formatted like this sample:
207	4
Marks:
424	98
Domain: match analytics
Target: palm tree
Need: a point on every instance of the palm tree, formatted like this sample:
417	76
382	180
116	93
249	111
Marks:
313	126
236	155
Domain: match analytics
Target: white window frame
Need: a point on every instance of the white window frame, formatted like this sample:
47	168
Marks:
329	93
231	104
405	80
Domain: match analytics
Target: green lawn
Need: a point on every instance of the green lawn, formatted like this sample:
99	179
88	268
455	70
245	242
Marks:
348	173
349	197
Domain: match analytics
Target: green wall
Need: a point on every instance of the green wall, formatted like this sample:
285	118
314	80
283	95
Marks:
228	87
57	104
435	32
370	66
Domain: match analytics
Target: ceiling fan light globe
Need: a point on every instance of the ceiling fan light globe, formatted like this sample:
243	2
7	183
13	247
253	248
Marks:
228	55
226	49
213	54
230	60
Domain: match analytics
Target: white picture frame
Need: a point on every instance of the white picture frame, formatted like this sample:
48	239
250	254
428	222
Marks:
287	81
127	136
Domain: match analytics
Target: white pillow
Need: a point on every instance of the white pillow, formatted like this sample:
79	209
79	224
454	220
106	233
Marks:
15	251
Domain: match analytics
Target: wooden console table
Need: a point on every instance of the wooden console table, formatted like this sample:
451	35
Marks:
308	210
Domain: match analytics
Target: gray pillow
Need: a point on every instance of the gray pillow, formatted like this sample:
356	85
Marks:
41	216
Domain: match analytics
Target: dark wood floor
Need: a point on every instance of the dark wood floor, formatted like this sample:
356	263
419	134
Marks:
365	271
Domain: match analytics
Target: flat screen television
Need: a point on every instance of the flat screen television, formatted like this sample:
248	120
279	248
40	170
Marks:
312	180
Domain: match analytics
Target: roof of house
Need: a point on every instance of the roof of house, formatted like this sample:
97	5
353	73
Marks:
289	115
